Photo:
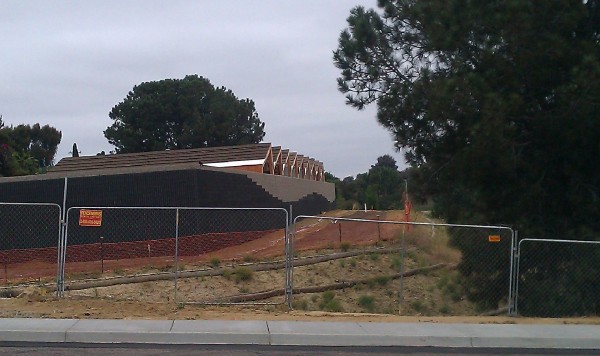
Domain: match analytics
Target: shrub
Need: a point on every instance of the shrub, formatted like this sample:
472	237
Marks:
300	304
227	274
373	256
215	262
328	295
367	302
382	280
396	263
445	309
329	303
345	246
243	274
249	258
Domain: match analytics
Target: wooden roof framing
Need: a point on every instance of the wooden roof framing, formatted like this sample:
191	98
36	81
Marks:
262	156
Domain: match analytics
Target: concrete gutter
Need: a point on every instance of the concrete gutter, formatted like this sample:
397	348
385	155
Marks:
214	332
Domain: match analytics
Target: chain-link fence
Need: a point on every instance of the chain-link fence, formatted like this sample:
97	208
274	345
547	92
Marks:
232	256
109	251
558	278
207	255
29	236
375	262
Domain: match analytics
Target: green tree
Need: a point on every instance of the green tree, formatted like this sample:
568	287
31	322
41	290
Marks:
26	149
501	102
182	113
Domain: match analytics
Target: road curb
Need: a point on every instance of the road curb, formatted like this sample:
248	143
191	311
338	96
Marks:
299	333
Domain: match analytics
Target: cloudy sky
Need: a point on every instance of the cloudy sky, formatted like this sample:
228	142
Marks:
67	63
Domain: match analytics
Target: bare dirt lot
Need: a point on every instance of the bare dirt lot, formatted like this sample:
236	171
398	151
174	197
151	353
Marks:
343	272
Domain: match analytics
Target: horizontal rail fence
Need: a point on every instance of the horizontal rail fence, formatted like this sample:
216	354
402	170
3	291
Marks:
29	240
365	263
232	256
558	278
109	251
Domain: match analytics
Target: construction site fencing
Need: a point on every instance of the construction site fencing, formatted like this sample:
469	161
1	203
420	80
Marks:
29	239
558	278
364	263
158	254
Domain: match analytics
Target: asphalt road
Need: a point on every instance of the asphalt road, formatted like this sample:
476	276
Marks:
243	350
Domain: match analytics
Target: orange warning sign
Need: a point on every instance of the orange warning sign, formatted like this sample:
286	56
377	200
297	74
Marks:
494	238
90	217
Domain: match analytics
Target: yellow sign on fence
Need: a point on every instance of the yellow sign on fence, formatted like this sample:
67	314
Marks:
90	217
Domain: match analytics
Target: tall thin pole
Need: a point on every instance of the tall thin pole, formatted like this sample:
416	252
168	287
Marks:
402	254
176	251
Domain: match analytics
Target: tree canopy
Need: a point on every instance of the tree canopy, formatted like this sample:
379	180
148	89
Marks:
380	188
26	149
499	101
182	113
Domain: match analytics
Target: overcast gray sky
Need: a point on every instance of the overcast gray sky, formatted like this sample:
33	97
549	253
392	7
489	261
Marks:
67	63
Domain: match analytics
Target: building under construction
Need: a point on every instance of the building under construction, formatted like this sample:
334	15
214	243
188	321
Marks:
245	176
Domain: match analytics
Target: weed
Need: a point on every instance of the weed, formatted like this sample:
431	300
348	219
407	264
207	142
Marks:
345	246
388	310
300	304
227	274
118	271
389	292
330	245
328	295
243	274
96	293
373	256
329	303
367	302
244	290
180	306
417	306
382	280
353	263
342	263
396	264
215	262
249	258
445	309
371	283
443	280
314	298
311	281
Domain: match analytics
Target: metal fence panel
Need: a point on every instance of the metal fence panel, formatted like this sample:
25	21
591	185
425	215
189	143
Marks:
558	278
29	239
110	251
232	255
364	263
184	255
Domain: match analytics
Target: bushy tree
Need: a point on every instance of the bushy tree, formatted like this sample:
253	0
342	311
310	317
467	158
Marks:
26	149
182	113
380	188
499	100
